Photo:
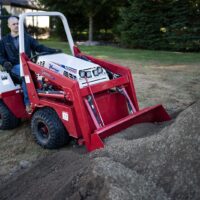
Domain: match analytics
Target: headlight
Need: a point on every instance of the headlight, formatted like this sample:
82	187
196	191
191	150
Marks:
88	74
100	70
95	72
82	73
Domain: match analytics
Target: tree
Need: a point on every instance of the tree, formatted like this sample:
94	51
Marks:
90	9
161	24
82	12
4	22
140	24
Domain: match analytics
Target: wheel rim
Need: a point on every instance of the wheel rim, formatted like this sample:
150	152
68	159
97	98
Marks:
43	131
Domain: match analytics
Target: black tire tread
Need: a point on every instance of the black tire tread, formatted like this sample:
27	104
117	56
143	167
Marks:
58	135
9	121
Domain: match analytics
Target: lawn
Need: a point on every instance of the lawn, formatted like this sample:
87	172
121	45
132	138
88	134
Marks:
168	78
139	56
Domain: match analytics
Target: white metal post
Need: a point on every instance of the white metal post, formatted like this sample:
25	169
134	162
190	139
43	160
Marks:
21	30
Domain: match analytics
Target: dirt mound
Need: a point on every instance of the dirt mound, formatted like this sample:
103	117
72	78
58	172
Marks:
18	150
46	178
146	161
164	165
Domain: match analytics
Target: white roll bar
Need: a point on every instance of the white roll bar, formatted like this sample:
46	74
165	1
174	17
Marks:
21	30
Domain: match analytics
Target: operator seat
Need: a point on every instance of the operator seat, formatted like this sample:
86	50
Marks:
16	79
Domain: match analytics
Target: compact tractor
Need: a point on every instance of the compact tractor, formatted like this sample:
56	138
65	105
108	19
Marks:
75	95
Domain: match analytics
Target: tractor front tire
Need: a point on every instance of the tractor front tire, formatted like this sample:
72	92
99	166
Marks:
7	118
48	130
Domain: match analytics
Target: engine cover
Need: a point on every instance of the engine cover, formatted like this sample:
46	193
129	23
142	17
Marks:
74	68
6	83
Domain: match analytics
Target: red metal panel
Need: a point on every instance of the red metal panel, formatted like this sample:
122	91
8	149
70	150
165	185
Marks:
14	101
69	122
112	107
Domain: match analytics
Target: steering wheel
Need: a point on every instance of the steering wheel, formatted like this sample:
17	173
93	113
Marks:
34	58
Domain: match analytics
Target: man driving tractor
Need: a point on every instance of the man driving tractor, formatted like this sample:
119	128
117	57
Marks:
9	53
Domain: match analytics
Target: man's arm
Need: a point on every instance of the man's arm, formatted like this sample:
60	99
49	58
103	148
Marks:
35	46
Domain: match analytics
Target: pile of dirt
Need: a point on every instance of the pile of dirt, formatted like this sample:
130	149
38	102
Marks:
146	161
47	177
18	150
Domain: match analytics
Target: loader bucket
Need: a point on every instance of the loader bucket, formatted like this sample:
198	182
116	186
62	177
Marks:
151	114
112	106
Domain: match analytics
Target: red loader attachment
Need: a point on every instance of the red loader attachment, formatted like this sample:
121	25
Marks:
117	109
87	104
96	111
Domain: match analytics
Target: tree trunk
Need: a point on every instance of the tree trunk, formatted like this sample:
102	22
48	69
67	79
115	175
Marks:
90	29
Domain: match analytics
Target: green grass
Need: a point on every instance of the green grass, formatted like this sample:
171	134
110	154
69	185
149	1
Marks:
141	56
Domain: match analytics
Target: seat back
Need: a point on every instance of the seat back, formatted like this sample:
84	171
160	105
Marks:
16	79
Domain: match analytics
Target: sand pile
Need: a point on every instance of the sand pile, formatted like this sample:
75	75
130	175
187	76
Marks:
159	164
146	161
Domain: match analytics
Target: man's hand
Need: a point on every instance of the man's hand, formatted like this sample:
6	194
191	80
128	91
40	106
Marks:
7	66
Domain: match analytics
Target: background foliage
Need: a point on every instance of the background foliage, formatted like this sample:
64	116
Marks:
4	26
161	24
104	13
148	24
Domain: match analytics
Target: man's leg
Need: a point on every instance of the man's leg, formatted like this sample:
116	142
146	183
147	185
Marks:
16	70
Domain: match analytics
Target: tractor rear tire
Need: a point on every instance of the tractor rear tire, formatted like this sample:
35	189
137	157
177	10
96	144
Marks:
7	118
48	130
